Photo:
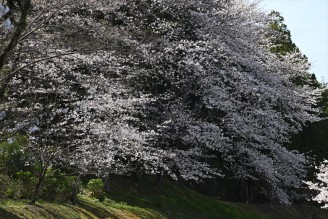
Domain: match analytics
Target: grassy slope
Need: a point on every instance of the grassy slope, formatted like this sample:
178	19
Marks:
169	202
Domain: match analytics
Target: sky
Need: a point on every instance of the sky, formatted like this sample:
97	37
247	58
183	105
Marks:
307	21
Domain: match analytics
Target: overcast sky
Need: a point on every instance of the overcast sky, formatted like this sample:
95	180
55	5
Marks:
307	21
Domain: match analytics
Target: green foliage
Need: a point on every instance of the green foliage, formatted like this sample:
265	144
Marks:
58	186
5	182
310	80
28	180
282	41
323	102
313	138
173	201
14	190
11	187
96	187
281	44
12	157
176	201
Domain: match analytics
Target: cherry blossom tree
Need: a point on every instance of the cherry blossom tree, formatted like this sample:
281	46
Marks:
220	92
157	87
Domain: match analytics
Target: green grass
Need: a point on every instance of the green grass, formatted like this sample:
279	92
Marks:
87	208
149	202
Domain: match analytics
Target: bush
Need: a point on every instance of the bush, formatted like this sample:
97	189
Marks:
28	181
12	157
58	186
14	190
96	187
5	182
10	187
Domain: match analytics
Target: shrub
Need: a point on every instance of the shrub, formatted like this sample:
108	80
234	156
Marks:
12	157
5	182
14	189
58	186
28	180
11	187
96	187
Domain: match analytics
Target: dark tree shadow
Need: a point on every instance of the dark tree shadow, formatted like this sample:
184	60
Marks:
52	212
7	215
99	212
82	207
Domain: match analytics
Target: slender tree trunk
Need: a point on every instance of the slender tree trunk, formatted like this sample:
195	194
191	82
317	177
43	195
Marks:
159	180
38	186
135	182
250	190
106	183
76	190
271	199
245	191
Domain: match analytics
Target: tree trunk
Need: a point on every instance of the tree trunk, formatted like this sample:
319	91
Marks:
251	190
76	190
38	186
246	192
271	199
135	182
159	180
106	183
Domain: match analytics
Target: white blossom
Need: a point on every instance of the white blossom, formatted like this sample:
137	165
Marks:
7	24
3	10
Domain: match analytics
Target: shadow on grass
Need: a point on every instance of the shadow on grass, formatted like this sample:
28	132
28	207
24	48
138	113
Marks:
7	215
171	200
99	212
146	197
53	212
82	208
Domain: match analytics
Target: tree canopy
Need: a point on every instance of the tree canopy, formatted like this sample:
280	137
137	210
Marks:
190	89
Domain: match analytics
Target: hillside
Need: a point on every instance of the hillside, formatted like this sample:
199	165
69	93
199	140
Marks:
171	201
